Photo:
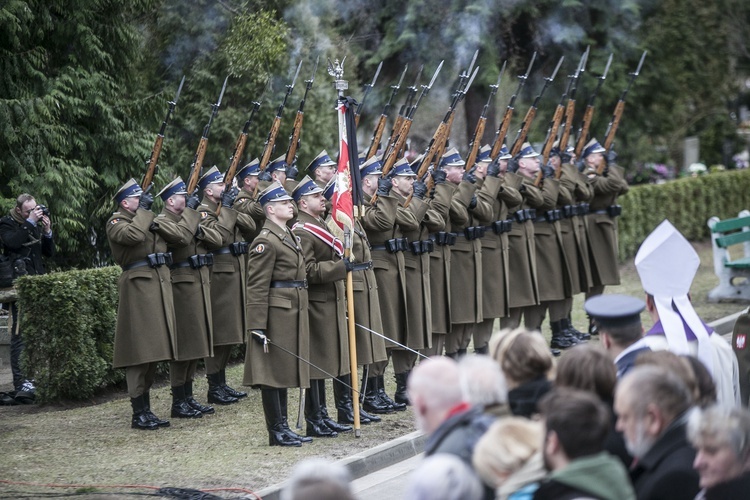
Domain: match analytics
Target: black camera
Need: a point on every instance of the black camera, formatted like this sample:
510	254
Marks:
44	209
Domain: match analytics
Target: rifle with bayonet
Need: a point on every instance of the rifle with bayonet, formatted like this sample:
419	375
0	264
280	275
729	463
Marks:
476	139
197	166
463	88
502	130
239	147
270	144
583	131
391	154
404	110
380	128
368	89
570	108
612	127
156	150
523	132
291	152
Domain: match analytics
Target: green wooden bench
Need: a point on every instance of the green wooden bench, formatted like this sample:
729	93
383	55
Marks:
733	274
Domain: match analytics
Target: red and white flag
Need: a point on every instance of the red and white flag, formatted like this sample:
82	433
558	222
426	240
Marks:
347	187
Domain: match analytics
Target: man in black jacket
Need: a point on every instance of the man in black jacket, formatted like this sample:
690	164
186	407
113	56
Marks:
26	235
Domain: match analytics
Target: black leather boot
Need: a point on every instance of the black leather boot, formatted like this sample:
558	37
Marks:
400	396
452	355
216	392
568	327
141	419
195	405
313	413
154	418
385	398
372	402
482	350
288	431
461	353
180	406
228	390
345	405
593	327
559	340
339	391
274	421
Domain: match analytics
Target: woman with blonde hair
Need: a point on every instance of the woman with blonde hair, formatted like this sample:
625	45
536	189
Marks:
508	458
527	364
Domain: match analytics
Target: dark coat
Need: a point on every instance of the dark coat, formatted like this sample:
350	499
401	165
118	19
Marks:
576	183
523	399
281	312
734	489
602	229
440	264
666	471
551	267
190	287
466	261
24	240
329	339
145	330
458	434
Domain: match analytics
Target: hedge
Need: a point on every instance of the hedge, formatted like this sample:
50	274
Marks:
688	203
69	317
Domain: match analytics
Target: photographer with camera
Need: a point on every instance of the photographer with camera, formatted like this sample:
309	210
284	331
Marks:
26	236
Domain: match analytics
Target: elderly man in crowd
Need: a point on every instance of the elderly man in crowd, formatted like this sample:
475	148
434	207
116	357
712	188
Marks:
721	438
652	406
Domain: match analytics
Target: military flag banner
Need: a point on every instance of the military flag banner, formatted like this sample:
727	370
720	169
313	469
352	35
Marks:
347	192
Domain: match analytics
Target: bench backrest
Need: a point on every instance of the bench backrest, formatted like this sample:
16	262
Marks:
724	226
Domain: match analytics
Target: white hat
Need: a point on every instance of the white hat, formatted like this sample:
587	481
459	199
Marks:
666	264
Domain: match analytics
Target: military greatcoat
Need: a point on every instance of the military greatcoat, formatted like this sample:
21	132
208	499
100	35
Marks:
370	347
389	267
466	261
229	272
440	262
495	197
282	312
145	330
190	287
602	227
577	184
329	341
551	268
245	204
524	289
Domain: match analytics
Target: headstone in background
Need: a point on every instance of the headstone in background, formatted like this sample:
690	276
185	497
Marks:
692	150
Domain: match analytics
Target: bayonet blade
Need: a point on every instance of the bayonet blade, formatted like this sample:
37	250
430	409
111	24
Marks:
557	68
471	80
473	61
499	78
377	72
606	69
419	75
434	77
221	96
315	69
637	71
179	90
296	74
531	64
585	60
401	80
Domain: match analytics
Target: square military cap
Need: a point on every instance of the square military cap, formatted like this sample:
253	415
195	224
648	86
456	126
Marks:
274	192
593	146
130	188
402	168
329	189
615	311
505	153
177	186
528	151
278	164
213	176
306	186
322	160
484	154
451	158
252	168
416	163
369	167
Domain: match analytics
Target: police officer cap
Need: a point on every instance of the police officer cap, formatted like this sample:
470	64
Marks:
278	164
274	192
614	311
451	158
306	186
321	160
371	166
177	186
130	188
593	146
484	154
252	168
213	176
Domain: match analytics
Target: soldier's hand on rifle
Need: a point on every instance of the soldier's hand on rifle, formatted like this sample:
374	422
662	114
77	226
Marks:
494	169
228	196
265	176
420	190
548	171
473	202
261	338
611	157
199	234
147	199
291	172
384	186
513	165
470	177
438	176
193	200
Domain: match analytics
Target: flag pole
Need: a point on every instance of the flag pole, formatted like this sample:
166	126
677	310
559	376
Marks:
336	70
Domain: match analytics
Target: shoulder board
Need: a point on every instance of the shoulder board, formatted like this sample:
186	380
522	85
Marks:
265	232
